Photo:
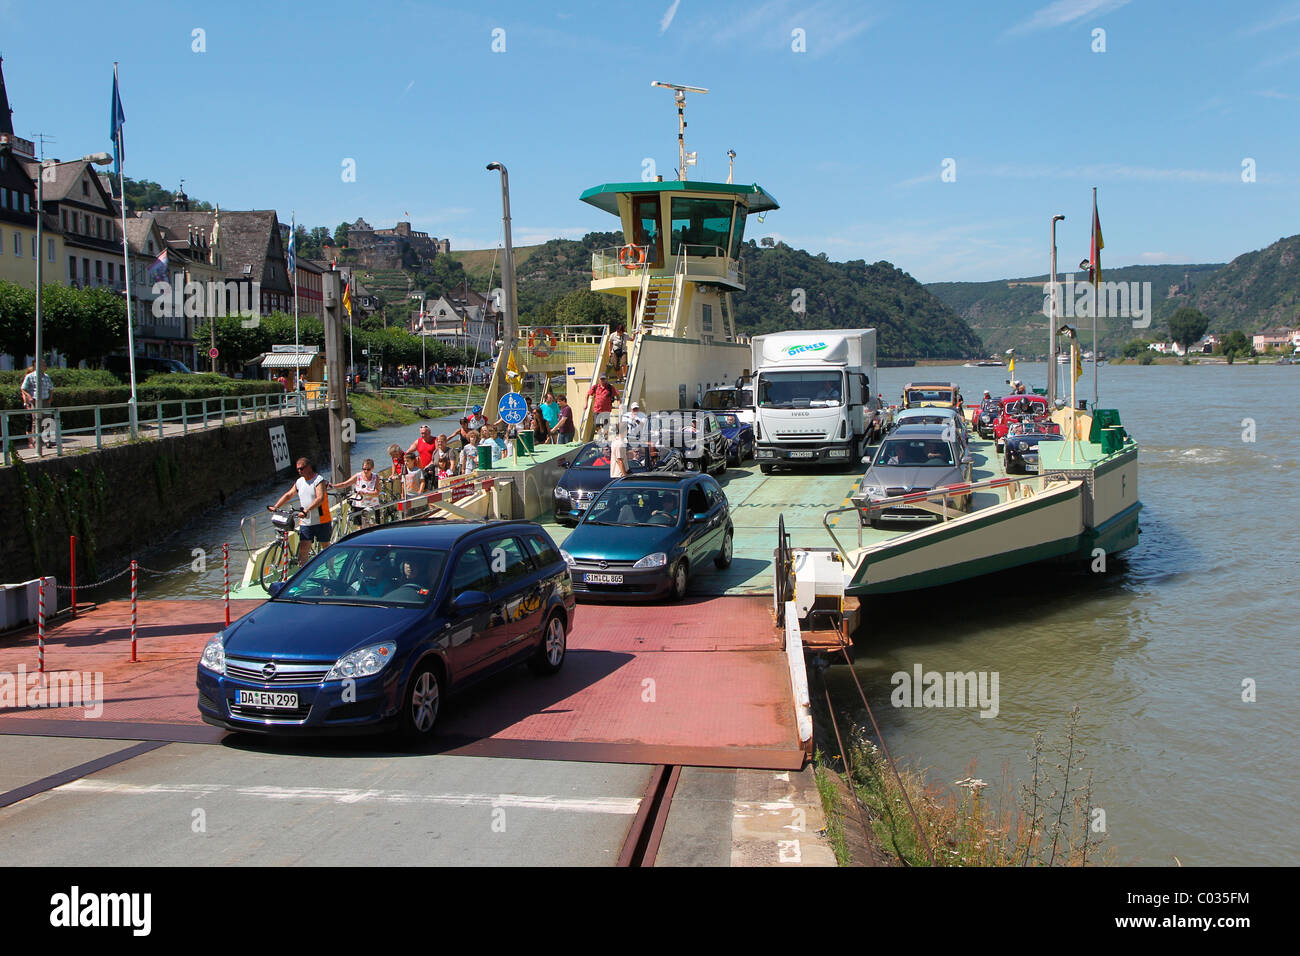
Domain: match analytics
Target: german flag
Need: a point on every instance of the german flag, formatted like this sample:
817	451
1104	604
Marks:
1094	269
347	298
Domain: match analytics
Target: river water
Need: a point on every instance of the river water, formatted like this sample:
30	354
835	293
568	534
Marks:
1154	651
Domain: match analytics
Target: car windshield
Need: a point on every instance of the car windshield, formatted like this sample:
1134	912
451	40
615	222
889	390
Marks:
917	395
635	507
719	399
728	421
799	389
924	452
925	418
355	574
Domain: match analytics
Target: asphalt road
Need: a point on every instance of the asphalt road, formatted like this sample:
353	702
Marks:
345	803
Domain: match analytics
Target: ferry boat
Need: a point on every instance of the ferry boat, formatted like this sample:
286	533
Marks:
676	272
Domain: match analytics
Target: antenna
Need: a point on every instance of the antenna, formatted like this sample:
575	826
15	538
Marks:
679	96
43	139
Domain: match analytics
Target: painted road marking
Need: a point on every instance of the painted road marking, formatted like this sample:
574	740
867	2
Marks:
626	806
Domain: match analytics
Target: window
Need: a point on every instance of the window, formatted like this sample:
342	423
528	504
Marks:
111	270
2	242
543	553
473	573
36	250
85	187
72	268
18	243
508	560
85	270
697	502
702	225
4	198
706	324
27	202
63	218
50	246
99	271
645	227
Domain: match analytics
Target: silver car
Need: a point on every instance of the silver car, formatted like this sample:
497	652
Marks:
936	415
913	458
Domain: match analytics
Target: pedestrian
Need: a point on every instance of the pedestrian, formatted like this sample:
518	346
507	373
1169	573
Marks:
495	442
618	349
366	485
550	410
617	455
463	432
565	427
424	446
602	402
28	389
469	454
476	418
313	505
413	484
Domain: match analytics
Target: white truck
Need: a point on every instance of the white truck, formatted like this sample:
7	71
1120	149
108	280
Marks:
815	397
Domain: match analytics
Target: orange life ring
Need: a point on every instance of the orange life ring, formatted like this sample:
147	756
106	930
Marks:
542	342
632	257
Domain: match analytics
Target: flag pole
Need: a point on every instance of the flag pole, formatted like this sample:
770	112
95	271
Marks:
1096	283
133	409
297	349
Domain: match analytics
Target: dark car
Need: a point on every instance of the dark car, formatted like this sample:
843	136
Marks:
738	434
986	415
373	632
645	535
145	365
585	476
694	433
1021	444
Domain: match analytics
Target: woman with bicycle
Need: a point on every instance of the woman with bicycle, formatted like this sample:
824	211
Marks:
365	485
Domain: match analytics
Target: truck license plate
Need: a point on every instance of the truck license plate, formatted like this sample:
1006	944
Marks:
801	454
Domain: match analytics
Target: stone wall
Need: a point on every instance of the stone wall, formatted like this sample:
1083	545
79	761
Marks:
123	499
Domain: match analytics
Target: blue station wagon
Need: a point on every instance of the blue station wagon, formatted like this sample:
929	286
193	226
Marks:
374	631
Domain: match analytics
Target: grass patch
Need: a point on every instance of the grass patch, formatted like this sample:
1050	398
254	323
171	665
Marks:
370	412
831	808
1047	821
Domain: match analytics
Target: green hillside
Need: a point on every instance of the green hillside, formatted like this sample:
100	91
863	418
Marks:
912	322
1009	312
1254	292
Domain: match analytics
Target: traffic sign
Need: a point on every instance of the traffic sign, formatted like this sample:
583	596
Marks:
512	408
572	370
212	352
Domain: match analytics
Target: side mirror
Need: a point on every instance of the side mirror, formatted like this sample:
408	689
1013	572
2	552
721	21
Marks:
276	588
564	463
468	601
699	516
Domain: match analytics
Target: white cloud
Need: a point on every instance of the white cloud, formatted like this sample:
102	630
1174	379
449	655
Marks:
667	20
408	87
1064	12
1285	15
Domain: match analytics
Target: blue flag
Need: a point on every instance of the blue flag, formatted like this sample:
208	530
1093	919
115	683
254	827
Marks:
119	117
293	252
158	271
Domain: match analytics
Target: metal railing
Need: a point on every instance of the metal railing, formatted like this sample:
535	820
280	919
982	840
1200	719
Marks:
865	506
110	423
703	262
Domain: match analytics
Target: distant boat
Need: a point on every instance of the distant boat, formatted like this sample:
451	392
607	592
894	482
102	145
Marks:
985	365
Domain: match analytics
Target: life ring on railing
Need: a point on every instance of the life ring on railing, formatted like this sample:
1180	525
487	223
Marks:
542	342
631	257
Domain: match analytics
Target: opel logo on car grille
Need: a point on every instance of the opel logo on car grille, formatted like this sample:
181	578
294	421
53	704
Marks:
268	671
604	565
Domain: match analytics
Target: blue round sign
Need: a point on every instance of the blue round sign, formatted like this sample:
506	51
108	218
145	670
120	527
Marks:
512	408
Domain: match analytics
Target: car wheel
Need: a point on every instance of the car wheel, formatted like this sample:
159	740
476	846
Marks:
765	468
422	704
680	575
550	654
723	560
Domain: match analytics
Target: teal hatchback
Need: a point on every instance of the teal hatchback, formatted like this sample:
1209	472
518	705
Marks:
644	536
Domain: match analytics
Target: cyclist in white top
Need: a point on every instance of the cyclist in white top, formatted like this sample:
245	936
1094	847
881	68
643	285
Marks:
313	505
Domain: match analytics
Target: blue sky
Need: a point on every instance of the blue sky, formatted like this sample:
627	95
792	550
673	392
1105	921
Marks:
850	136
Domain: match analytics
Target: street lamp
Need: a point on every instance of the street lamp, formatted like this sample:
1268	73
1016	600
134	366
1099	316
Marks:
99	159
1051	322
424	365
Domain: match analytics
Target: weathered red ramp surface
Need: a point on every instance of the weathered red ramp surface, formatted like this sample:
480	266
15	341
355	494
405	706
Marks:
700	683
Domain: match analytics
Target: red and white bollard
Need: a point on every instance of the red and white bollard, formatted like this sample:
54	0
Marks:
134	568
72	559
40	626
225	574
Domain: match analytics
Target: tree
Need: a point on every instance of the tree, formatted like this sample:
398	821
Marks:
341	235
17	321
1187	325
1135	347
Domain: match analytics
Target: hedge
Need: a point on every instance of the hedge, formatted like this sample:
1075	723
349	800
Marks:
163	387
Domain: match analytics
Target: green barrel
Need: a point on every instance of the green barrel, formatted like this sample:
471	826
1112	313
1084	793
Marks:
525	442
484	458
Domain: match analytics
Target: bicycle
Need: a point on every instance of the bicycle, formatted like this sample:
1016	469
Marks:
283	551
355	513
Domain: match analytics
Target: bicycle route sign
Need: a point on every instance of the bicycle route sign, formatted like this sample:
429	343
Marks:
512	408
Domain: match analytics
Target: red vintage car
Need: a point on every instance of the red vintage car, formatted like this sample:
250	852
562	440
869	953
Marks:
1015	407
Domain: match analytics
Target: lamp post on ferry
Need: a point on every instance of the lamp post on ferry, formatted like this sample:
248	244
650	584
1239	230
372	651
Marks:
1051	323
